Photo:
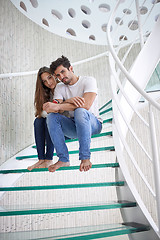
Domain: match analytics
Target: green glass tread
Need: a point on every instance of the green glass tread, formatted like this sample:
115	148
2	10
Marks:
103	165
93	136
109	120
77	233
110	148
50	208
106	111
105	105
65	186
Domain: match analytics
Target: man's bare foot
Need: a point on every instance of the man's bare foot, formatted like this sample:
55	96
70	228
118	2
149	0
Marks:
46	164
57	165
36	165
85	165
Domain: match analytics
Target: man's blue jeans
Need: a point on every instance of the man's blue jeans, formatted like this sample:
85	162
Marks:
82	126
42	138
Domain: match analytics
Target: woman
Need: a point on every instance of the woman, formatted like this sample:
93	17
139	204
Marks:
45	86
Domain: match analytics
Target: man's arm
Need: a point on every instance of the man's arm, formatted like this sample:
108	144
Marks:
89	98
71	104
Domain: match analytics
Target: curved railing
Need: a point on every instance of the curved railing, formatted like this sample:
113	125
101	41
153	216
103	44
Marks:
136	156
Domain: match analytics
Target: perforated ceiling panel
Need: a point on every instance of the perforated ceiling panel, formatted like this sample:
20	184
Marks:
86	20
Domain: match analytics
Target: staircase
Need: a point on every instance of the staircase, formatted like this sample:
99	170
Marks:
69	204
117	198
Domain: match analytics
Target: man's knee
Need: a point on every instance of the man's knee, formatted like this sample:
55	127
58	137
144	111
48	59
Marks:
80	111
80	114
51	118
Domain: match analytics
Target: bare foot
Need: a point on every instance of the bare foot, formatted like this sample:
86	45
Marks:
46	164
36	165
85	165
57	165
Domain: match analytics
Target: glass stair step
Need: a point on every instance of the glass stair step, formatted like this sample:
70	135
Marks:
93	136
110	148
109	120
64	186
9	210
105	165
106	111
77	233
105	105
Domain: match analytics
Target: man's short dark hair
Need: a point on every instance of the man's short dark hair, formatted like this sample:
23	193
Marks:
60	61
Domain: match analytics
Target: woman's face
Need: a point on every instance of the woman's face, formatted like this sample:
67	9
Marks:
48	80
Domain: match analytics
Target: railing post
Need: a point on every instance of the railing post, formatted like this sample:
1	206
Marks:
139	23
156	162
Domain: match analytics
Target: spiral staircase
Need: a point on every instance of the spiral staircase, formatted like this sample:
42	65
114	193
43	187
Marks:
115	197
96	183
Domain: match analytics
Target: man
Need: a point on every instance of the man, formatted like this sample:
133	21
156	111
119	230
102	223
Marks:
78	96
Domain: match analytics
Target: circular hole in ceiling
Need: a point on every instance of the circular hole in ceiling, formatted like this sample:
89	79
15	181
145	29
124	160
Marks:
85	10
86	24
123	38
104	7
71	12
23	6
104	28
133	25
71	32
56	14
92	37
34	3
143	10
45	22
127	11
119	21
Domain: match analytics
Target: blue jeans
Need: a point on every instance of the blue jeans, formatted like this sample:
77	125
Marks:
42	138
82	126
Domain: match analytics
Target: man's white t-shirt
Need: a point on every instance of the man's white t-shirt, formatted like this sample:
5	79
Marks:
83	85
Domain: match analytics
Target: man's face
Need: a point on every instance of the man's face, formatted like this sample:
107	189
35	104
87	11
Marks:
64	74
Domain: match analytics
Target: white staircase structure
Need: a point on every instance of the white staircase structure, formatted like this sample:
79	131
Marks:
131	167
124	110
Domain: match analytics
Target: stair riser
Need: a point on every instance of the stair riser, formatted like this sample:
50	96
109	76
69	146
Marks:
59	220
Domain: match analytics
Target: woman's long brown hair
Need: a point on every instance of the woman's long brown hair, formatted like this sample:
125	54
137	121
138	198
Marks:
42	93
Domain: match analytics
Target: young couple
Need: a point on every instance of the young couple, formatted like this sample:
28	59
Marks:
78	97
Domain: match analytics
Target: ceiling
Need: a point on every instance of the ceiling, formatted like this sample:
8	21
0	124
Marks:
86	20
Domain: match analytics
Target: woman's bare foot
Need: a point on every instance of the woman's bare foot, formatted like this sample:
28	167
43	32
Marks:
46	164
36	165
57	165
85	165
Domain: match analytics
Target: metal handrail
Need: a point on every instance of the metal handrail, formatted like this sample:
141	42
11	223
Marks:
10	75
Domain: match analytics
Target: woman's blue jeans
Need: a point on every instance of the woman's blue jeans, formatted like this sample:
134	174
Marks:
82	126
42	138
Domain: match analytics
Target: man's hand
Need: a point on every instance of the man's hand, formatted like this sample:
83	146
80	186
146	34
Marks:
51	107
77	101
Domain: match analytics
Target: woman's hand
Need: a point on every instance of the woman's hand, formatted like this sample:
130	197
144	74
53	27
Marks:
51	107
